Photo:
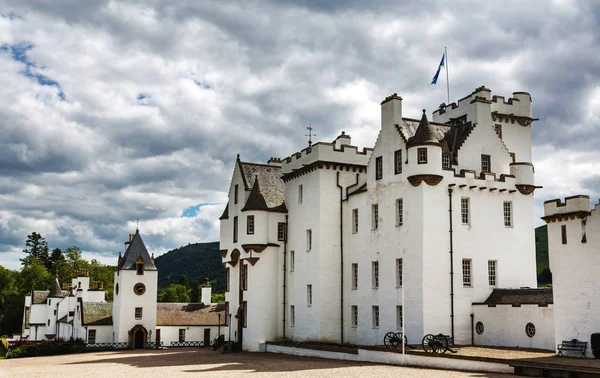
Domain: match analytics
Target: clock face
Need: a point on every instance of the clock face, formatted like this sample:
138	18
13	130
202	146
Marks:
139	288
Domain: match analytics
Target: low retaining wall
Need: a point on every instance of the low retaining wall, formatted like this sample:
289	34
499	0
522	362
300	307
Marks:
366	355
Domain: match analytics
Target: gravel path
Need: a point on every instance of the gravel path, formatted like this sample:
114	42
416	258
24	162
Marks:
189	362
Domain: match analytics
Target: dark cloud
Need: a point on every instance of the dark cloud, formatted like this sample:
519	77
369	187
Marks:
114	111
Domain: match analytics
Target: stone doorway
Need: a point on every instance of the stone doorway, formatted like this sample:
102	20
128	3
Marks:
137	337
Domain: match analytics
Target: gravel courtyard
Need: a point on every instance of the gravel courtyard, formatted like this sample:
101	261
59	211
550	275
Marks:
190	362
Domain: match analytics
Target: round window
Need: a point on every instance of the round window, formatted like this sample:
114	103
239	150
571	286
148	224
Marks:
479	328
530	329
117	289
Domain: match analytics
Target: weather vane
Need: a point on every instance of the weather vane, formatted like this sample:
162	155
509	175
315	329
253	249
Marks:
310	134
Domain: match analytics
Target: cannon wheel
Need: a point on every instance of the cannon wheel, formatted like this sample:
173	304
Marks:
391	341
399	337
441	344
428	343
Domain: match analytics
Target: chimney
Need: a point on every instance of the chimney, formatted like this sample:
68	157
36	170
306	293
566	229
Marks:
276	162
342	140
206	293
391	111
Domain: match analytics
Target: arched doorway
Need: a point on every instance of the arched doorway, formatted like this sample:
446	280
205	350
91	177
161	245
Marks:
137	337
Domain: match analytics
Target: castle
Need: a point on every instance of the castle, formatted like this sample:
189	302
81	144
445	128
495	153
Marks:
134	317
430	231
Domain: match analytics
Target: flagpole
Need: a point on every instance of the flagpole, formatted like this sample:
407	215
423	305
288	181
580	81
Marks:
447	79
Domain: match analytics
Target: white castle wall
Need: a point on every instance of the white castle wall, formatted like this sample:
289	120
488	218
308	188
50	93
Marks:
574	267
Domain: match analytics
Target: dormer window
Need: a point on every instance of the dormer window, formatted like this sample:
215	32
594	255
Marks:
139	266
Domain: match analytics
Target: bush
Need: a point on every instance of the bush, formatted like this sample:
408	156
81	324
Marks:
47	348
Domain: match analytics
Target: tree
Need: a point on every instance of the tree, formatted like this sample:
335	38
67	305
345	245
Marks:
74	259
38	248
34	276
55	257
11	303
175	293
195	292
183	281
218	298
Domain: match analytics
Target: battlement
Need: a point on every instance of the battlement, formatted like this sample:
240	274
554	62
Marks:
327	152
518	106
574	206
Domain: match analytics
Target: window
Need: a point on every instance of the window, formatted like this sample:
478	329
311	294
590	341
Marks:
398	272
227	279
181	335
54	312
292	260
492	272
530	330
375	274
244	276
354	221
464	210
354	276
354	316
399	212
281	234
292	316
300	193
466	266
512	156
48	322
235	229
378	168
422	155
508	214
399	316
446	161
498	129
235	194
375	216
375	312
91	336
309	295
308	240
245	314
138	313
563	233
49	302
139	266
479	328
250	225
486	165
398	161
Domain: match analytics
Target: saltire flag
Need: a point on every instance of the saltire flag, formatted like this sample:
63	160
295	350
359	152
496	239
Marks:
435	78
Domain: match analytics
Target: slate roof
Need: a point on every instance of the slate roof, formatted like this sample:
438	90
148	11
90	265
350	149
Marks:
180	314
40	296
425	133
134	251
56	291
454	135
270	185
97	313
519	297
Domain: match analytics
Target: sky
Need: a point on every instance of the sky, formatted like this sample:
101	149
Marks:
113	111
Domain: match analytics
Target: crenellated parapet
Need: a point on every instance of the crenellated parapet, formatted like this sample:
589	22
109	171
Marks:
574	207
327	153
514	109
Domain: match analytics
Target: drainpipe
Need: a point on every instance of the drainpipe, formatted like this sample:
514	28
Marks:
341	258
451	265
472	327
285	271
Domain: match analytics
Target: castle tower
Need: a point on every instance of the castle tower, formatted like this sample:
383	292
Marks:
136	284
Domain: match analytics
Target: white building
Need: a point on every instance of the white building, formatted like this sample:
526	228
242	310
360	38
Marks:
438	216
133	317
574	250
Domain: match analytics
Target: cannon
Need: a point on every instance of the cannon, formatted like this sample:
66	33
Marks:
393	340
437	343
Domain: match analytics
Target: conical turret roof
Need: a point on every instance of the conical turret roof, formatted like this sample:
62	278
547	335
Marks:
136	250
425	134
56	291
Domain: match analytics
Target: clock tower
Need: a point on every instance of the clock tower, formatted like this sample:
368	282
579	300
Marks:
134	304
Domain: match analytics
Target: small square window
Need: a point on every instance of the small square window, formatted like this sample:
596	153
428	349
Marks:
91	336
486	164
354	319
446	161
492	272
465	210
421	155
508	222
281	231
181	335
498	129
466	267
138	313
250	225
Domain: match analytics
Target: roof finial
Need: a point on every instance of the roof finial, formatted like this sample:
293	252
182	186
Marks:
310	134
137	225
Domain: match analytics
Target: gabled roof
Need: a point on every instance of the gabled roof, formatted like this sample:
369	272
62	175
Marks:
96	313
455	135
270	185
40	296
425	133
188	314
225	214
136	249
518	297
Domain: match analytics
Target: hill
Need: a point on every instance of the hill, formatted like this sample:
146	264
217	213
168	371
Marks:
195	261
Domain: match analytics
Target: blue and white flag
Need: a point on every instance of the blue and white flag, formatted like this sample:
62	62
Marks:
435	78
